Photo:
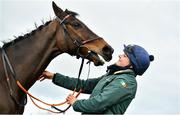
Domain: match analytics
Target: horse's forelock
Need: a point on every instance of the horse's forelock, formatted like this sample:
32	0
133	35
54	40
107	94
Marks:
72	13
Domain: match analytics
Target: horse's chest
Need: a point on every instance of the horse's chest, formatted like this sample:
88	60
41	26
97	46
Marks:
7	105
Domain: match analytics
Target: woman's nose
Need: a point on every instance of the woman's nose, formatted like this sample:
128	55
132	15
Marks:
119	56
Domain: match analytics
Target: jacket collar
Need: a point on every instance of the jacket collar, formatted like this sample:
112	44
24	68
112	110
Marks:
130	71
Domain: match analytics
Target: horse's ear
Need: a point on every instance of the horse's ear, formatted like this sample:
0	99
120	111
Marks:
58	11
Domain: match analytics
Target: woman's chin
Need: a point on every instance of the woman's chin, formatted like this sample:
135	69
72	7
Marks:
117	63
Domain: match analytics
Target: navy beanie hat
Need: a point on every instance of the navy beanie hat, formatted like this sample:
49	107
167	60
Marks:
139	58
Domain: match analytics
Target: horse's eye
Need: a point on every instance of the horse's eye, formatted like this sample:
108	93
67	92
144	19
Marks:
76	25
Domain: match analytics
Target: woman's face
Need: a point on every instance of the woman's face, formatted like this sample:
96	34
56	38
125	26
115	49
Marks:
123	60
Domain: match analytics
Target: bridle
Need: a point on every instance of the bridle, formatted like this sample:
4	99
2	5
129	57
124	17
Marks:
79	43
7	65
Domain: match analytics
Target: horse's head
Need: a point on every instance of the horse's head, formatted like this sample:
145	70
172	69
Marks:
79	39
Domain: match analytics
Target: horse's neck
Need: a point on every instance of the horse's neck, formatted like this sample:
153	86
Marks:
32	55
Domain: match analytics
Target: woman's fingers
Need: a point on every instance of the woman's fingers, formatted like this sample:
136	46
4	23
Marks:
40	77
46	75
43	78
71	99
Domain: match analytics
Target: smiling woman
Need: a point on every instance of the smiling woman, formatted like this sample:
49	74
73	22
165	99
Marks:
55	37
111	93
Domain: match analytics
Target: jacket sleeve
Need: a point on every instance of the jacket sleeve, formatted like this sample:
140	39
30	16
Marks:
70	83
113	93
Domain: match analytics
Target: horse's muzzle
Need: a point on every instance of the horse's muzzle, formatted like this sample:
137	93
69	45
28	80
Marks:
107	52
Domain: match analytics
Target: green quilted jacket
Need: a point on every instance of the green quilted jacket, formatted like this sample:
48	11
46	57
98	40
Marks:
110	94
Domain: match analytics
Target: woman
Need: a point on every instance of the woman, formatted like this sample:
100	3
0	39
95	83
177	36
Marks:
113	92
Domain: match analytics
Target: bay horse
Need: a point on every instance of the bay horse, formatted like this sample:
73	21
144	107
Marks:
30	54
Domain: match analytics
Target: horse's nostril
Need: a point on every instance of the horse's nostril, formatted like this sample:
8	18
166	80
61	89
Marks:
105	49
108	50
112	50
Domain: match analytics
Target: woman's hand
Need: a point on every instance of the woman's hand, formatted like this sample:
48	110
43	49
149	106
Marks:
71	99
46	75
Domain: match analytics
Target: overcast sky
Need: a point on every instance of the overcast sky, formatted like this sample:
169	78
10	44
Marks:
153	24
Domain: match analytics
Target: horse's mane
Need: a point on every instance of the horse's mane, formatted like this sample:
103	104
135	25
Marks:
19	38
